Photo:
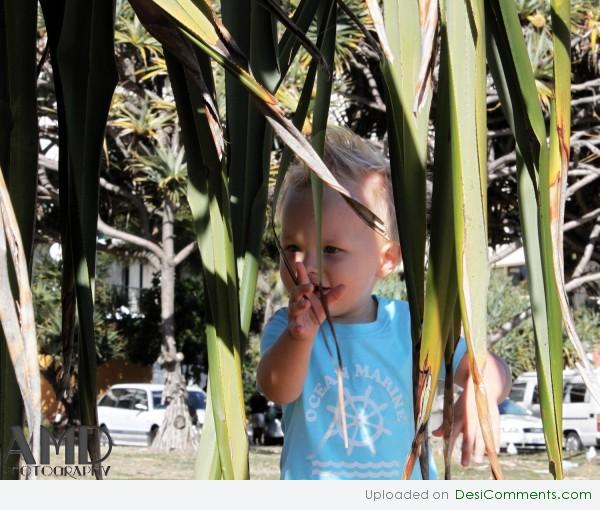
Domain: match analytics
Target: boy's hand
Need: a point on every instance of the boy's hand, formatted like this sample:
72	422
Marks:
305	311
466	422
497	378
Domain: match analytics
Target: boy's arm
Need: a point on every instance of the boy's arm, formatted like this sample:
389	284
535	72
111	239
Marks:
497	380
282	369
496	376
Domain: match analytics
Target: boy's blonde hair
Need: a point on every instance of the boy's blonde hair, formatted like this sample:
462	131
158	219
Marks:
350	159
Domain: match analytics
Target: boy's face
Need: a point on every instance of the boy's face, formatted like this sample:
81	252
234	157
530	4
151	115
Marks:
353	253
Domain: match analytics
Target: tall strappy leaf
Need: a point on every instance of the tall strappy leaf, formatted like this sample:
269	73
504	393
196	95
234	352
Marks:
18	162
515	83
80	35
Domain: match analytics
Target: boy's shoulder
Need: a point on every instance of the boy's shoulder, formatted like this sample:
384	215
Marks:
393	308
392	301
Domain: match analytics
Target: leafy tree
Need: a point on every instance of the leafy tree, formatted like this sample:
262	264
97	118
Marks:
143	214
119	333
110	343
143	328
507	299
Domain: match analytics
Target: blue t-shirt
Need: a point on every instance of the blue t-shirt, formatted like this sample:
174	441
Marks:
377	360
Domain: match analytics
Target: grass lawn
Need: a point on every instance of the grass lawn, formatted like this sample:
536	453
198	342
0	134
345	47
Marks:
143	463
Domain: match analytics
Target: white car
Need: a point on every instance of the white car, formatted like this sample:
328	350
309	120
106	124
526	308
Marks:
580	412
133	413
519	427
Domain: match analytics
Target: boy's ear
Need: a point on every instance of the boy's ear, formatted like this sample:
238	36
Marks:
390	258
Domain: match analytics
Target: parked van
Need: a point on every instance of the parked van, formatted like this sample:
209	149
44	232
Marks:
581	413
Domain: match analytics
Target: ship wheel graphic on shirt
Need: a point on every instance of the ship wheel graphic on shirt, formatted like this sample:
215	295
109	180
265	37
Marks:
364	420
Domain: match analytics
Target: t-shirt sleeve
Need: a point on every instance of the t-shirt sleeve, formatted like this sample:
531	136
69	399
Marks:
273	329
460	351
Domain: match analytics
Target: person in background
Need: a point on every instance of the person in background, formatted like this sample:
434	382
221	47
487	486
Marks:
258	409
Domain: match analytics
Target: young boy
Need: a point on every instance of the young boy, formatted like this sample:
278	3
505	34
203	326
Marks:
297	369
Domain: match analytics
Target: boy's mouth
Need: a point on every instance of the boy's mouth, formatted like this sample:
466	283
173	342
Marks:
321	289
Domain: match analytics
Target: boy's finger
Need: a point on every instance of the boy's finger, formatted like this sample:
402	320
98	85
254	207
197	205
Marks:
317	307
301	272
299	305
495	420
335	293
457	430
301	290
479	448
467	448
452	443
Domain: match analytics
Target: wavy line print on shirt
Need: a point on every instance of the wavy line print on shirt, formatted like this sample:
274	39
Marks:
356	474
364	421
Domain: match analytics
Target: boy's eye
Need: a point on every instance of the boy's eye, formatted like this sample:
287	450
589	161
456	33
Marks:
330	250
292	248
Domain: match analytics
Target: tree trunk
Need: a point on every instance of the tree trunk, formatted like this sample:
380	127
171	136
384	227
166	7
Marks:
65	391
177	432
